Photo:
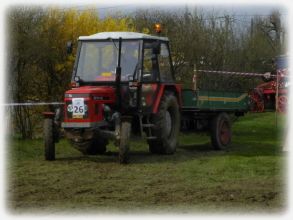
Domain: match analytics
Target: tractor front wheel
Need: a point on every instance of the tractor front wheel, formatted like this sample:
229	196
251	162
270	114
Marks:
221	132
49	139
125	130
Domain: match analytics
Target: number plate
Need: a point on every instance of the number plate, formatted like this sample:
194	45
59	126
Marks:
78	108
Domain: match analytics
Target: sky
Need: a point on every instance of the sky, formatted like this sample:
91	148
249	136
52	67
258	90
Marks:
261	9
242	12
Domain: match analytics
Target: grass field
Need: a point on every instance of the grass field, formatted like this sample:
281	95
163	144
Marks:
248	178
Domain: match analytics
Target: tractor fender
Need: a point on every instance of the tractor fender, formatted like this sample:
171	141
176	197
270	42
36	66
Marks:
48	114
163	88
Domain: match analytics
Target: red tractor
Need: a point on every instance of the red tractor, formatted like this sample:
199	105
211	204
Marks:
121	82
273	93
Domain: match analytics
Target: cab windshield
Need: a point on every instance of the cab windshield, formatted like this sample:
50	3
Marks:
98	60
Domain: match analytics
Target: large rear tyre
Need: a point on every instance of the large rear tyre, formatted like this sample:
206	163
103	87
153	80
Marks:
221	132
125	130
166	126
49	139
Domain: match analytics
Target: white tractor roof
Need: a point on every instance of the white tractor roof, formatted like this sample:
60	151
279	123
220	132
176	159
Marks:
123	35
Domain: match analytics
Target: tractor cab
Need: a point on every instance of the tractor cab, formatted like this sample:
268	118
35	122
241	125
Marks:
139	56
130	63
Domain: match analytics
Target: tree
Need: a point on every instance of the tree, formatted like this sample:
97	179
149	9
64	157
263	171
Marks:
25	26
39	68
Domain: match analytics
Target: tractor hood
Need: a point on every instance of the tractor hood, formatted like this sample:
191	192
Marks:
97	93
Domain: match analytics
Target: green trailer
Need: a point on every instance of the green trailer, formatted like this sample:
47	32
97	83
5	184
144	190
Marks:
211	110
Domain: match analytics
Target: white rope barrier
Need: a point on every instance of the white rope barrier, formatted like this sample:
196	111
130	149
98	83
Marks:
32	104
237	73
231	73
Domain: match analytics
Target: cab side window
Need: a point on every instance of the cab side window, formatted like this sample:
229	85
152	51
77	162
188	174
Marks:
150	64
164	64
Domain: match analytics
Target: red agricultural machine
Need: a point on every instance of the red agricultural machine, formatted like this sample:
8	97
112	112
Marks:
123	85
273	93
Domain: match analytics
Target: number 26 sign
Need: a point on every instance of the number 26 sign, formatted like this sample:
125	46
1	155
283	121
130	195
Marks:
78	107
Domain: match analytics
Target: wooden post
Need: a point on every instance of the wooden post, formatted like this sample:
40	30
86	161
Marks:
277	100
194	78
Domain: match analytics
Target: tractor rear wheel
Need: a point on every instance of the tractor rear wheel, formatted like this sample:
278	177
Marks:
166	126
221	132
49	139
125	130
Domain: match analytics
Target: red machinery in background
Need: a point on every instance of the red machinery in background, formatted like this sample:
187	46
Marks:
273	93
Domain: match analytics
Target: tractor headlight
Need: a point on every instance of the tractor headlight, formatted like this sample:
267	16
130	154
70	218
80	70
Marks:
107	112
69	108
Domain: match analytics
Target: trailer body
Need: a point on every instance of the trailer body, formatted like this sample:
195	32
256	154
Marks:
214	101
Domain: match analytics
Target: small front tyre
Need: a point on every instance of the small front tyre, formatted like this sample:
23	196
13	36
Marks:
49	139
125	130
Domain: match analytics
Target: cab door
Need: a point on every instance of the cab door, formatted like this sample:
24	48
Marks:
149	76
165	67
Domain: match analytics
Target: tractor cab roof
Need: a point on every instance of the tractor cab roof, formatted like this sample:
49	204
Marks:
123	35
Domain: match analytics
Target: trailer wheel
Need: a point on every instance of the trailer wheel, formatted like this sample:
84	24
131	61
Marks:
221	131
49	139
125	129
166	126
